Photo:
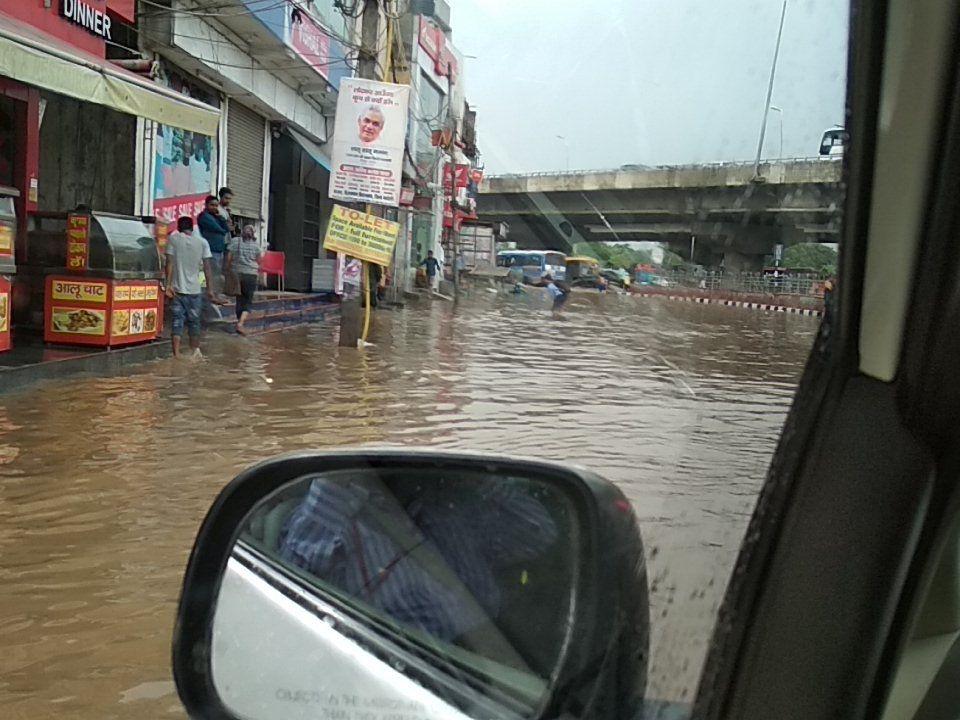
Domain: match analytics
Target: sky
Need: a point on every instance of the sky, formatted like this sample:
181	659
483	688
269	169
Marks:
649	82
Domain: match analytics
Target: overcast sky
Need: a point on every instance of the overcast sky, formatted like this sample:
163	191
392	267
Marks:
647	81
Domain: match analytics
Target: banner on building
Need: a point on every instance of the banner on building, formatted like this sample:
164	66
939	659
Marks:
368	141
307	39
185	161
361	235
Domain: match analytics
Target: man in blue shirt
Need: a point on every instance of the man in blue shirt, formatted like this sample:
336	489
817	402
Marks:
433	266
216	231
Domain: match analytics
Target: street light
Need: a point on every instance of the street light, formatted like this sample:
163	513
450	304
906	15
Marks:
566	146
779	110
766	109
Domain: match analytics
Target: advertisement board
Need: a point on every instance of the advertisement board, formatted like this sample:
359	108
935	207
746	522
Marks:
308	40
186	161
368	141
361	235
78	242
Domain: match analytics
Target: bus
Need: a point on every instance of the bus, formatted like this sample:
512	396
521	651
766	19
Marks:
833	141
534	263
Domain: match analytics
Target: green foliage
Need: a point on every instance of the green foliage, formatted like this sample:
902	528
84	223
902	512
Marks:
615	256
819	258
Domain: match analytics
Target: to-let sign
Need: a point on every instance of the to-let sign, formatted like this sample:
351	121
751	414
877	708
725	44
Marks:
78	242
93	292
363	236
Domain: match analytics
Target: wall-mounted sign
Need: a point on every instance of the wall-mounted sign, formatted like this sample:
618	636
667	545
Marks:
88	17
308	40
434	42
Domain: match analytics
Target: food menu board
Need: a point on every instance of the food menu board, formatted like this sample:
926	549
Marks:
78	242
102	312
5	312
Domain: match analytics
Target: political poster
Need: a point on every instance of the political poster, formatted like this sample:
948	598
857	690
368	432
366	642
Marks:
361	235
368	141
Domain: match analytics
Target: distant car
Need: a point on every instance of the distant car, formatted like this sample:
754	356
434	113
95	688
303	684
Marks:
617	276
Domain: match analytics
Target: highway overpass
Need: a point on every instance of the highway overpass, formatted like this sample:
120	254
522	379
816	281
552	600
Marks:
723	211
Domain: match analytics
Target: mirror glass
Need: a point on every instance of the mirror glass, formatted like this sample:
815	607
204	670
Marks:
397	594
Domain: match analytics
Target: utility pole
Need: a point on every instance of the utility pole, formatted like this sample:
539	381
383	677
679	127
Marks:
351	315
766	105
450	149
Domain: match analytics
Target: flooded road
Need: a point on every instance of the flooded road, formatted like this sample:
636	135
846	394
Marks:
104	481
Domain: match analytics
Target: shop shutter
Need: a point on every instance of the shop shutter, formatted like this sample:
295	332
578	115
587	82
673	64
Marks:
245	130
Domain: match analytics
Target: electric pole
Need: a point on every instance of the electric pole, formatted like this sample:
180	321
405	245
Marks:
351	315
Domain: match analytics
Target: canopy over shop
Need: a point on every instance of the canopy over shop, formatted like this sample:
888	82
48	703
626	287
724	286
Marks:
52	77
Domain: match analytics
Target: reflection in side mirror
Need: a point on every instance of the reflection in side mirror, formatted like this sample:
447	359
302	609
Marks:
397	585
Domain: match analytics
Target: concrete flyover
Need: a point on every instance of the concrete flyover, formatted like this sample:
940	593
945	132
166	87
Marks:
722	213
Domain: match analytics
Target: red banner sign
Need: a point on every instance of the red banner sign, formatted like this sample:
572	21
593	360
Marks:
78	242
434	42
309	41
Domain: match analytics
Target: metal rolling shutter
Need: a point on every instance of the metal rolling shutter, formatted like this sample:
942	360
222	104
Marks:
245	131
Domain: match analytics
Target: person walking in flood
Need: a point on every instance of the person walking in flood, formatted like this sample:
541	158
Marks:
558	293
187	253
243	258
432	266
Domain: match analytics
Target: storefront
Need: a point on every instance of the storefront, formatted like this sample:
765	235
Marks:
300	208
68	136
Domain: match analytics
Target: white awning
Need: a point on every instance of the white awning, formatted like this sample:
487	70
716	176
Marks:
27	56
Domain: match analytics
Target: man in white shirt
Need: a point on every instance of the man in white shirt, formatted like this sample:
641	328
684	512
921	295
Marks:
187	253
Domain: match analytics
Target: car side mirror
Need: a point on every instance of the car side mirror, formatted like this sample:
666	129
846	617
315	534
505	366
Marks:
377	585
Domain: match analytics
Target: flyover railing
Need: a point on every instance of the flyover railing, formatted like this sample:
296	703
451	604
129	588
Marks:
748	282
653	168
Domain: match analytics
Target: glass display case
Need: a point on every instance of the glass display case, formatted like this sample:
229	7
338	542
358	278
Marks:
101	278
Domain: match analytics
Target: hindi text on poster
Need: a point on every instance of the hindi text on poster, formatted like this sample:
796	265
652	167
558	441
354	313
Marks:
360	235
368	141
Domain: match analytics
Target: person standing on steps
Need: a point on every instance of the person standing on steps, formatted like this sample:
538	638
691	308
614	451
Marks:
216	231
243	258
226	197
186	253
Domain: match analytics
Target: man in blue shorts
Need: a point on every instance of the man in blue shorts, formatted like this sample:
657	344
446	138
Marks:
187	254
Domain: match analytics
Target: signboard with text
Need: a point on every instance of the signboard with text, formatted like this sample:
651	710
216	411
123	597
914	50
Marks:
361	235
78	242
368	141
308	40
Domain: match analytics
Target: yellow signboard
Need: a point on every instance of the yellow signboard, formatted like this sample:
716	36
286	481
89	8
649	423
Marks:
121	293
4	312
79	291
363	236
6	239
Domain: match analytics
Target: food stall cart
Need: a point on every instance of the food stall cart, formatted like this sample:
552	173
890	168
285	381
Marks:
8	267
101	278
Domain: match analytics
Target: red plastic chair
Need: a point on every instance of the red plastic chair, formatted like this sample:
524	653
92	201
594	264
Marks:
274	263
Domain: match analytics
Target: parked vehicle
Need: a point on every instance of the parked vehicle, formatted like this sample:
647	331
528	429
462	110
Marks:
582	266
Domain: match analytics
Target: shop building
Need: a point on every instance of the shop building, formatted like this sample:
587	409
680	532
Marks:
442	136
273	70
70	112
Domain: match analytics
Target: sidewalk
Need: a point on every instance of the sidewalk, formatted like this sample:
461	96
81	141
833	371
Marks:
31	360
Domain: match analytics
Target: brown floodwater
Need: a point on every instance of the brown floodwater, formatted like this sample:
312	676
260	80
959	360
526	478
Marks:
104	480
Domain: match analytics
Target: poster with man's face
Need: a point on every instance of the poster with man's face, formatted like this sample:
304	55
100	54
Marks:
368	140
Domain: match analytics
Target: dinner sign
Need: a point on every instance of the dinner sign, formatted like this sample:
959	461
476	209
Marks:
361	235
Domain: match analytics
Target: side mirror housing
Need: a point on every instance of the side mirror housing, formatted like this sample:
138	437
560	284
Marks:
382	584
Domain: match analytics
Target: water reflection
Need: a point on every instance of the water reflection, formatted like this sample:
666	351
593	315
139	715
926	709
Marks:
103	482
